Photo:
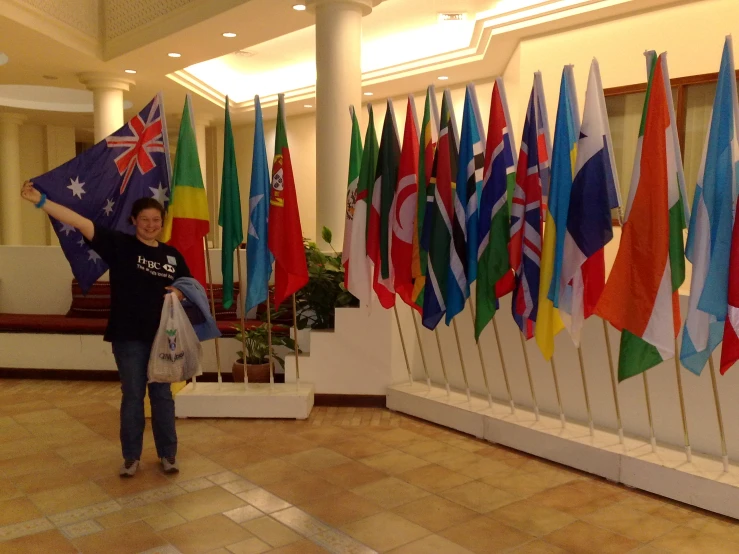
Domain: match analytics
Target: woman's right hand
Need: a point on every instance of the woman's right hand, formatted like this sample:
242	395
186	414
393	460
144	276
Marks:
30	193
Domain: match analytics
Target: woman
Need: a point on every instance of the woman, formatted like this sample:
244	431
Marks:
142	270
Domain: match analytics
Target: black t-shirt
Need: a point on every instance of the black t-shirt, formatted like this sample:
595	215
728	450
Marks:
139	274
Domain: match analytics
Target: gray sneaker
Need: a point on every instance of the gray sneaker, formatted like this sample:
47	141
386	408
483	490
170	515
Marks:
169	465
128	469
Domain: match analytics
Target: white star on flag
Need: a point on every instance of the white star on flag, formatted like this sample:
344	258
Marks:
159	193
81	242
76	187
253	203
93	256
66	229
108	209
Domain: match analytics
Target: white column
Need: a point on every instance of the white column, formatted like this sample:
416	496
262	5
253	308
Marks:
10	178
107	97
338	85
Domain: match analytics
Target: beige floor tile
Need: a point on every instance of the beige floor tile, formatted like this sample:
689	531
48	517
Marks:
21	448
480	468
538	547
165	521
685	540
223	477
271	531
10	430
431	544
62	433
422	447
264	500
316	459
207	445
249	546
239	457
196	505
241	485
390	492
148	477
301	522
351	474
25	465
8	490
194	466
340	509
94	409
41	481
204	535
302	547
43	416
47	542
360	448
435	513
577	498
649	549
284	448
270	471
123	517
394	462
69	498
397	437
384	531
87	451
303	489
434	478
243	514
630	523
131	538
523	484
479	496
580	537
17	510
483	535
531	518
13	408
683	515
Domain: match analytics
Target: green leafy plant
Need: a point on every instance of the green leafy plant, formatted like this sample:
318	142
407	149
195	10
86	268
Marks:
257	344
325	290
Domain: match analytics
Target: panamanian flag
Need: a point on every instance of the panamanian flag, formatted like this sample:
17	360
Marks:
103	182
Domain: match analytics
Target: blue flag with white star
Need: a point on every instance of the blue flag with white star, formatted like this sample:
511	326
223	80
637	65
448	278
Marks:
258	256
103	182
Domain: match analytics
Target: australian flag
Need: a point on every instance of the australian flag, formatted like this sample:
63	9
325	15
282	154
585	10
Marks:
103	182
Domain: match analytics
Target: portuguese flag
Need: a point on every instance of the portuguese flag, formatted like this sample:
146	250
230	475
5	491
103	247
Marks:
187	221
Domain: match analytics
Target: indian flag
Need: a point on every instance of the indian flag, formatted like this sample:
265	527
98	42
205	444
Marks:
187	221
641	296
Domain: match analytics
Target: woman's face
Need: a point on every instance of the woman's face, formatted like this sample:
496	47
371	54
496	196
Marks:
148	224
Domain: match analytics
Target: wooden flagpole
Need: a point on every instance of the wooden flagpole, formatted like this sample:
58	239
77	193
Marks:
297	348
402	343
242	299
482	360
461	361
269	342
688	452
652	438
420	347
585	390
443	365
528	372
213	311
724	452
614	385
556	390
503	367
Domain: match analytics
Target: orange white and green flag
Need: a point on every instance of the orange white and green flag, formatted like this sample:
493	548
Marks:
641	296
187	220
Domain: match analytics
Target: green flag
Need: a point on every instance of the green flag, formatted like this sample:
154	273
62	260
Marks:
229	217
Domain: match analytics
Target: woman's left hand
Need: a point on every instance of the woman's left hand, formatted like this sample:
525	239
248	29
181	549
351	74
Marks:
176	292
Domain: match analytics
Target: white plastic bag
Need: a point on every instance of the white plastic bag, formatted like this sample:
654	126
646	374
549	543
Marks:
176	354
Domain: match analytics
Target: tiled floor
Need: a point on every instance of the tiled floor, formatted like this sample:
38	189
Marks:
347	480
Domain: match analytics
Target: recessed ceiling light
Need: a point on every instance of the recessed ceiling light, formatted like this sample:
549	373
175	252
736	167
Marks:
299	6
3	58
229	35
443	78
132	71
308	105
174	55
369	93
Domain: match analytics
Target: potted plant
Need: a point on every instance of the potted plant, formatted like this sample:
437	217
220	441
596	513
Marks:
325	290
257	352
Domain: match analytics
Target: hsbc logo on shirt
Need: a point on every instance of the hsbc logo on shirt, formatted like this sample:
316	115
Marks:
156	268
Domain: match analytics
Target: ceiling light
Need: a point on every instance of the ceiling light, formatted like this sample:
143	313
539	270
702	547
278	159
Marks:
369	93
308	105
174	55
3	58
131	71
229	35
443	78
299	6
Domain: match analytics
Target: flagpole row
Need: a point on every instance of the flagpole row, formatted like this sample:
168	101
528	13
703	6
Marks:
724	452
420	347
461	360
443	365
402	343
585	390
528	372
652	438
269	342
503	367
242	289
297	348
213	311
559	397
482	360
614	385
688	452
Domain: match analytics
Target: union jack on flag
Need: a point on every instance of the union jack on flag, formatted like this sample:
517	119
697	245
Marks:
103	182
532	175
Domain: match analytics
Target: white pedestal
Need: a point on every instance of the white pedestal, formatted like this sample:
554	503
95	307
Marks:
257	400
666	472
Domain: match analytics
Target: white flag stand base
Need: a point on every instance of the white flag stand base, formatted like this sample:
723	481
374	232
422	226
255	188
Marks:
704	482
255	400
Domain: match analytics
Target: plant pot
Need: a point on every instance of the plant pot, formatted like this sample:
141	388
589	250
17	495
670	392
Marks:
257	373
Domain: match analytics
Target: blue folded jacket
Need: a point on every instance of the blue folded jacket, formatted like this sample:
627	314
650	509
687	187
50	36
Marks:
197	308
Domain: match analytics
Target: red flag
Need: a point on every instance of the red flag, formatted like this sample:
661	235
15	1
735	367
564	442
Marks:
730	349
404	208
285	234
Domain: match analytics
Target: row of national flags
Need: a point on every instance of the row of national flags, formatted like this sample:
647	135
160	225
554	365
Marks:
133	162
428	217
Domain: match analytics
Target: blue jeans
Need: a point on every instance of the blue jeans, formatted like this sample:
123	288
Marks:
132	359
